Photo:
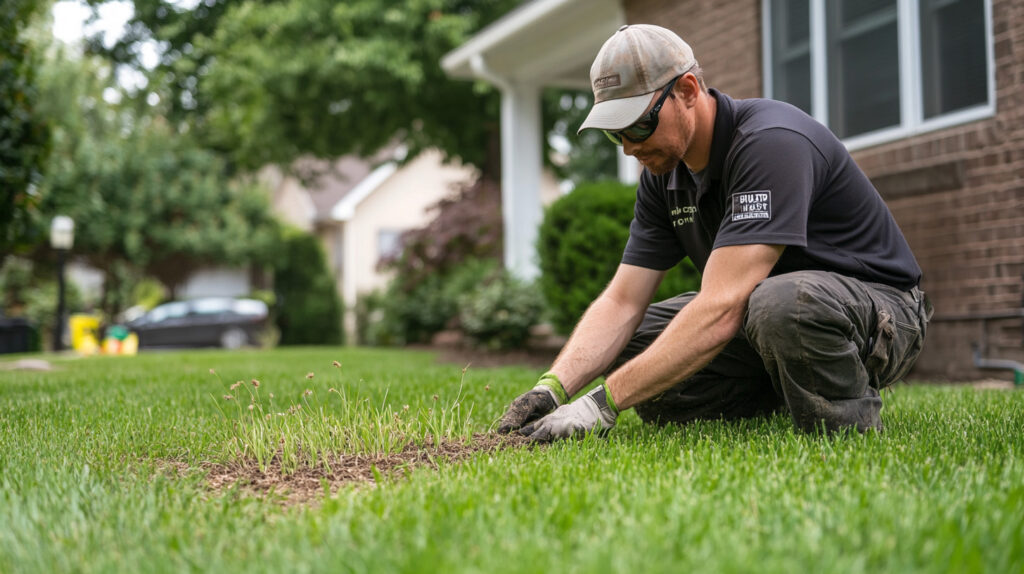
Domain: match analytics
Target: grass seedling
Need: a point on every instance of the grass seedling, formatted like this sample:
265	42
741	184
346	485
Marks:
309	432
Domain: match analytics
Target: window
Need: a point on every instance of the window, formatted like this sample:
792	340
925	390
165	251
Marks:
863	66
791	50
173	310
211	306
953	62
876	70
389	243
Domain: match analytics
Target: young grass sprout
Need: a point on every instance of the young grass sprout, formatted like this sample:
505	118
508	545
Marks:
318	426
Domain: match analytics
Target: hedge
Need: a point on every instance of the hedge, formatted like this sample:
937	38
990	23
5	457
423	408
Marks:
309	309
580	246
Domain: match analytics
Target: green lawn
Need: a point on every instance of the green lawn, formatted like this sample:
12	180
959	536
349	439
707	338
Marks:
86	486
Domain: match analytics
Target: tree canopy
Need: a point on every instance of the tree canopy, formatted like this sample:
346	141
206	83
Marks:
142	195
267	81
24	133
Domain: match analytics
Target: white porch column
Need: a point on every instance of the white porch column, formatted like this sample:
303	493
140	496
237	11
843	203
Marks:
349	292
521	164
629	167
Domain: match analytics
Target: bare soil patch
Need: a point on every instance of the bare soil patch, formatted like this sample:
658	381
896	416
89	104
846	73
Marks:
309	485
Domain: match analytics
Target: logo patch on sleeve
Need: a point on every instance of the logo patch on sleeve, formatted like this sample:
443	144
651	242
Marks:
749	205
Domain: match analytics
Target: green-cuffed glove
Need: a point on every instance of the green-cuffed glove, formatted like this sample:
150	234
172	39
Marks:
545	397
594	411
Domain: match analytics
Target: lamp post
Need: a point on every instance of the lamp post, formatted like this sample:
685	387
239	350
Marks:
62	237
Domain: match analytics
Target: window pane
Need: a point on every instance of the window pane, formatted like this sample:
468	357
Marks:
863	64
791	52
211	306
954	67
796	88
389	243
853	10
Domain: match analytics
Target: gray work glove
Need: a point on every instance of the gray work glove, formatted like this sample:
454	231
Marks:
594	411
545	397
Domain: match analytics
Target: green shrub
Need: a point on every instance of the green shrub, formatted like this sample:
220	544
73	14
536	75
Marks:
309	310
499	313
580	246
371	328
414	315
148	293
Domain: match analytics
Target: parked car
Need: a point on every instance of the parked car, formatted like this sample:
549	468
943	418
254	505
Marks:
208	322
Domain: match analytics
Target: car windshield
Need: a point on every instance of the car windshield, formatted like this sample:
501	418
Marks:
211	306
168	311
250	307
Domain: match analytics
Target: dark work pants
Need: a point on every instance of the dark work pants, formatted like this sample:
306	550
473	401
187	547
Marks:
819	344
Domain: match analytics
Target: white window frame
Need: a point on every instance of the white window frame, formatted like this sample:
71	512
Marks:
912	121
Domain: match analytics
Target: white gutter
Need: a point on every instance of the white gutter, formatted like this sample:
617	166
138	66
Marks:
500	31
480	69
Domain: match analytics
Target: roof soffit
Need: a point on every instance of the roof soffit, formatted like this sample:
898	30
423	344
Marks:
544	43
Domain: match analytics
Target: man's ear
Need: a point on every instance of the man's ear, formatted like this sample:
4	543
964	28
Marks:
687	88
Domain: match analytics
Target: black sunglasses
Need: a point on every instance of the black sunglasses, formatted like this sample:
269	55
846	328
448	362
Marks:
644	127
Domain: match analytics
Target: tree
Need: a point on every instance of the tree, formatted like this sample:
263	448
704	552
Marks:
590	156
267	81
24	134
144	197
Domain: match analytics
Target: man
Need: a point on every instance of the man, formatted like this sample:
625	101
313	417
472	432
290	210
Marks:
809	297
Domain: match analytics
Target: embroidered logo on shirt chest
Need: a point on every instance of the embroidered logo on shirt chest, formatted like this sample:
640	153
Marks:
752	205
682	215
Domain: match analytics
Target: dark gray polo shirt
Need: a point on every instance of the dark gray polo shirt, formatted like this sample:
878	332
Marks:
776	177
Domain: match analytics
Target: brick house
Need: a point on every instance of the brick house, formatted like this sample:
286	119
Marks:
927	94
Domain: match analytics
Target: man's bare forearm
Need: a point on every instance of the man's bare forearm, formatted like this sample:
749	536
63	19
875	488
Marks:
598	339
701	330
704	328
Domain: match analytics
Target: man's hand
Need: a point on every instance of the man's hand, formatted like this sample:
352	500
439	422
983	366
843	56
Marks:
594	411
533	404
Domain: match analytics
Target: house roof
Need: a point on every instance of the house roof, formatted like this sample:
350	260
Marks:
543	42
336	181
327	183
345	208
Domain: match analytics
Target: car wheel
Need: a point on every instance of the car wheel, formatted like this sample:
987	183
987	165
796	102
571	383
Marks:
234	338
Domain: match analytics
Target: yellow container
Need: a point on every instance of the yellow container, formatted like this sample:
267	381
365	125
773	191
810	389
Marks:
84	330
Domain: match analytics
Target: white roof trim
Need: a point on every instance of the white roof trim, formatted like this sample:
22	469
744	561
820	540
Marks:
540	43
345	209
501	30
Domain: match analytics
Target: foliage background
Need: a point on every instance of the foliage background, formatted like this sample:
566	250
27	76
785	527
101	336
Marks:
24	132
309	309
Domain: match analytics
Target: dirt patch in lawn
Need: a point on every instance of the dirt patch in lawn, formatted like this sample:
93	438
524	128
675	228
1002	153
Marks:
309	485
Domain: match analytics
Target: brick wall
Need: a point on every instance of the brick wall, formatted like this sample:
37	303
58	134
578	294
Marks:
957	193
966	225
725	36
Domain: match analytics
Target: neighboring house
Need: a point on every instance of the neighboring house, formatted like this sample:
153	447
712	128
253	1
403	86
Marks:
927	94
359	209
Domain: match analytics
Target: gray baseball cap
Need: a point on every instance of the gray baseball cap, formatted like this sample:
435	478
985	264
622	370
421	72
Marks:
638	60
